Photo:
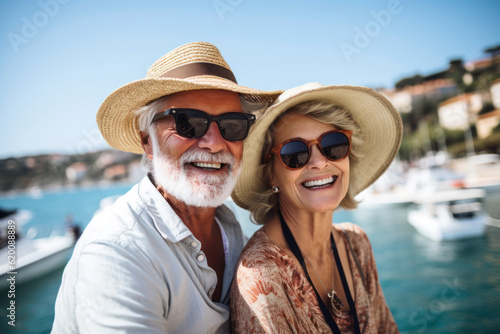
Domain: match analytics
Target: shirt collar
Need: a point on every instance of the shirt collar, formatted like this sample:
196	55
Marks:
166	221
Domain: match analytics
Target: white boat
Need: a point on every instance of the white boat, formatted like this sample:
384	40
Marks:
449	215
406	188
483	171
388	190
29	258
395	197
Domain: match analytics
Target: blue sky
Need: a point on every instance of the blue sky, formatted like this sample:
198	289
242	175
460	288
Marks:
59	59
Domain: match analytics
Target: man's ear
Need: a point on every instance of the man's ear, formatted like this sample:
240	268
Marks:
146	144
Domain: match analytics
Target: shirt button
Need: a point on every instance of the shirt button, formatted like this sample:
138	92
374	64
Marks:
194	244
200	257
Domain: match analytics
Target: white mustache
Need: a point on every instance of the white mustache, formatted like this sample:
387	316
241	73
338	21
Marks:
195	155
196	190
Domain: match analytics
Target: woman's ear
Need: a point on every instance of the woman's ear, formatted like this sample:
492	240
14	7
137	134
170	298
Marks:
272	177
146	144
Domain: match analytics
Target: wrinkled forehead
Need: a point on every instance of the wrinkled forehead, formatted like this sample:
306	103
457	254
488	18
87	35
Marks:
290	125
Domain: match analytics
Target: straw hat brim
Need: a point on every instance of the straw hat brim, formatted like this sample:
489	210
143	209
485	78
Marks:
116	118
380	124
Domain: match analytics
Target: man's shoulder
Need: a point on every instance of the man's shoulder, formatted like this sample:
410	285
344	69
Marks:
115	221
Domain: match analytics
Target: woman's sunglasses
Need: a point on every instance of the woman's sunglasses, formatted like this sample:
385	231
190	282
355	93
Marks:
193	123
295	153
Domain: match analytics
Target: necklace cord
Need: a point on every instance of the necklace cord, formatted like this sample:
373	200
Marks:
345	286
333	285
298	254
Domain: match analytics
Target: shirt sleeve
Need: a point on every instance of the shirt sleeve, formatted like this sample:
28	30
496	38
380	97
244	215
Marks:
113	291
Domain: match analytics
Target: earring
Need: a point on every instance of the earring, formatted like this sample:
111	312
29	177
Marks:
276	189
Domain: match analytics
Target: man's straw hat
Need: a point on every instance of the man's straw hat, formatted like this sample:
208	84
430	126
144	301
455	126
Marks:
380	124
193	66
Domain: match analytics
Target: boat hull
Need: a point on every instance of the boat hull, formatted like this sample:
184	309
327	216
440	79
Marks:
447	229
35	258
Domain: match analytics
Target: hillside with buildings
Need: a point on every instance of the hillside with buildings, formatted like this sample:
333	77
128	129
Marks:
51	171
456	110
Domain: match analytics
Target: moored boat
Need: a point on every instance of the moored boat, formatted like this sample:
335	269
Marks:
28	258
449	215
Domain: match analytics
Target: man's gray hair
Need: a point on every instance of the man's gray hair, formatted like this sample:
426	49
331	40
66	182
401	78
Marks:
146	114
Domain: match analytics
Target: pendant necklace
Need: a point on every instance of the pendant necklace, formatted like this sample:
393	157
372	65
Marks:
335	301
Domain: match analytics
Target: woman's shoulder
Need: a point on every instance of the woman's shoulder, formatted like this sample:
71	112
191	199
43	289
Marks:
355	238
258	243
262	254
351	230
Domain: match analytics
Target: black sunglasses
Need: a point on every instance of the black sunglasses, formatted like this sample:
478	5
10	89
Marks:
193	123
295	153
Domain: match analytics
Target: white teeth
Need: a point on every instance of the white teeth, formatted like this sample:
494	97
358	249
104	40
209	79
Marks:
318	183
207	165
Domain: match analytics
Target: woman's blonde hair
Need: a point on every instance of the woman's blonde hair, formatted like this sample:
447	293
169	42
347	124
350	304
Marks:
265	204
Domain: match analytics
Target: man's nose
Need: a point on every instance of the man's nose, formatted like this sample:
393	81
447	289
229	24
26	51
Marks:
212	140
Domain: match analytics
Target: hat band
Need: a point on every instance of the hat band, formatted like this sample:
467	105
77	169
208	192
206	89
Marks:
196	69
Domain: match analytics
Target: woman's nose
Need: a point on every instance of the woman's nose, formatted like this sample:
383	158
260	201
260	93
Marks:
317	159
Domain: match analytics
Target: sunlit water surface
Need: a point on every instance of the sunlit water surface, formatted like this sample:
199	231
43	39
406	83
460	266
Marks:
431	287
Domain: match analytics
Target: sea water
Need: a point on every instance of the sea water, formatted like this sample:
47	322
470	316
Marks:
430	287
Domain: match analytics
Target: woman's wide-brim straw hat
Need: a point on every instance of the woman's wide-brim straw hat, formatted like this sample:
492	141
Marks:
192	66
380	124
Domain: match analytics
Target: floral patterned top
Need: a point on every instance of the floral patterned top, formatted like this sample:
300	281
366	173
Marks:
270	294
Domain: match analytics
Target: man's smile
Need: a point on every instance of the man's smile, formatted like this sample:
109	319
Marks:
207	165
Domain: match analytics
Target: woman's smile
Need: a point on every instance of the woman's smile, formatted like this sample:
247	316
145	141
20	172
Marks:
321	183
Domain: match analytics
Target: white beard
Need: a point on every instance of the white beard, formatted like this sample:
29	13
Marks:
196	190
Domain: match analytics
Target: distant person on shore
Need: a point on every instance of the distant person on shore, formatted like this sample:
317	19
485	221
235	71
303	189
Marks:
161	259
72	227
311	152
